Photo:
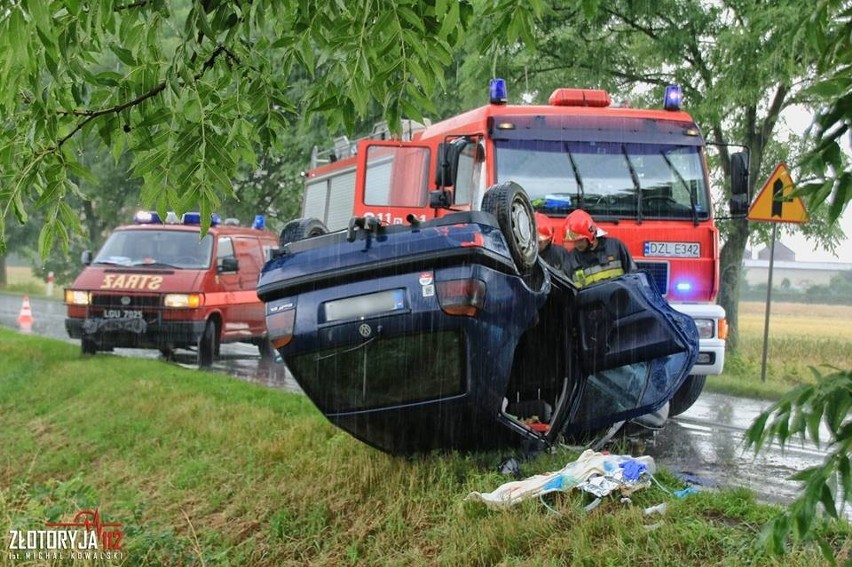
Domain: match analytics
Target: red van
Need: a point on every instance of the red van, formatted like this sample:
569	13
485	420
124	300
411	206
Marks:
160	284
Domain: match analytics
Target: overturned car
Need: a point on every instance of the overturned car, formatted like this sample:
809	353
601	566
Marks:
453	334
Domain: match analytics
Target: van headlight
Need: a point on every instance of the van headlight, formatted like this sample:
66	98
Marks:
77	297
183	300
706	328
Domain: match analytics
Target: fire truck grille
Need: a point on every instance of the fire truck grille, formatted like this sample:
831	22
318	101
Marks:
126	301
658	272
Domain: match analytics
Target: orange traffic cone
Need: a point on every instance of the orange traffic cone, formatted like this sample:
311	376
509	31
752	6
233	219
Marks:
25	317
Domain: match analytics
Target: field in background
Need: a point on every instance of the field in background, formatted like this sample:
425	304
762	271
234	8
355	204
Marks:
21	280
801	336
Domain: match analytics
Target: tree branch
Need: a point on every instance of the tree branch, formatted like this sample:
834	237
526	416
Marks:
92	114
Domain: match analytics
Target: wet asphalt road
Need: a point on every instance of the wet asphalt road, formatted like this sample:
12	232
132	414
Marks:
704	443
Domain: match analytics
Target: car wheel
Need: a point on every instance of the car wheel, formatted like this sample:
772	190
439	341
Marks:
208	344
299	229
509	203
88	346
687	394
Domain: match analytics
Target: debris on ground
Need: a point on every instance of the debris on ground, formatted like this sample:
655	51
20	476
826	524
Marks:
599	474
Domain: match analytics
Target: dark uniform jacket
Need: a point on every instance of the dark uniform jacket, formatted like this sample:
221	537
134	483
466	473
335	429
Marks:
609	259
556	256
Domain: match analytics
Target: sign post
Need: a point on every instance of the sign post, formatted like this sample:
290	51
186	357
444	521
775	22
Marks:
774	204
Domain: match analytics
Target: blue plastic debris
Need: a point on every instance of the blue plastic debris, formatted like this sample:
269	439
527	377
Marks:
632	470
685	492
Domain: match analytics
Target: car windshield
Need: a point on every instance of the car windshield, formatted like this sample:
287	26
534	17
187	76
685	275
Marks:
170	248
618	179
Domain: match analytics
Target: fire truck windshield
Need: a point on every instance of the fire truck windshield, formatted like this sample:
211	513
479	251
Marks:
156	248
617	179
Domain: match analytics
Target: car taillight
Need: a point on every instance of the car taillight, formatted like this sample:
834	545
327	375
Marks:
461	297
279	327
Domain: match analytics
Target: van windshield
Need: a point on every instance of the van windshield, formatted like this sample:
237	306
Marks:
171	248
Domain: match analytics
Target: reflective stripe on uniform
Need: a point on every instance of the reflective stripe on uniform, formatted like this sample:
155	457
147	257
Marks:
594	274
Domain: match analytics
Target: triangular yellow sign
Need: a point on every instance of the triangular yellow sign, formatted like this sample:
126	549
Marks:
772	204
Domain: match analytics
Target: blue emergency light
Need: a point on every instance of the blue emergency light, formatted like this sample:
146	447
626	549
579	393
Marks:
673	98
259	222
683	286
147	217
152	217
195	218
497	92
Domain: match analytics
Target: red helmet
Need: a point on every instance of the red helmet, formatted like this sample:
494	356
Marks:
545	229
579	225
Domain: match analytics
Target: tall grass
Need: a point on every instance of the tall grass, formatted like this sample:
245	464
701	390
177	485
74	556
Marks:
201	469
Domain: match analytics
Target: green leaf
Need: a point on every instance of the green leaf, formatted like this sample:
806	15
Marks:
124	55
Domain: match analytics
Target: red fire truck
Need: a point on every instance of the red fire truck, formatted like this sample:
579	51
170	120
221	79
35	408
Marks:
641	173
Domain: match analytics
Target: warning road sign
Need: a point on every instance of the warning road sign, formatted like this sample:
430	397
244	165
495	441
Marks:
773	204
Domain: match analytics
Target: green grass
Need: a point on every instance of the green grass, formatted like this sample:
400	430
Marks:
202	469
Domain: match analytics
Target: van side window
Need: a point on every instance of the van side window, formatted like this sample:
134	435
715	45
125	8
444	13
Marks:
225	249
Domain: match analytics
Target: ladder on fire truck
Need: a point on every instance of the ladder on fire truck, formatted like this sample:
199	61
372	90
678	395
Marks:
344	148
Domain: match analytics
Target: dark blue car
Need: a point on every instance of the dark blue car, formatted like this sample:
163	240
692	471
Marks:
448	334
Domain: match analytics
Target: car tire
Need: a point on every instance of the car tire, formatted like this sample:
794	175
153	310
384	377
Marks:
509	203
208	345
687	394
88	346
299	229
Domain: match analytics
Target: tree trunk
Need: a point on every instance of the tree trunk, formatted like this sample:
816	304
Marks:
4	280
730	267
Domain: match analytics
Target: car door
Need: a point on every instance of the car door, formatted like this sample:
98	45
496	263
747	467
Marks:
630	351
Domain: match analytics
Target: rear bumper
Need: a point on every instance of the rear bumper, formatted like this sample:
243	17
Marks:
711	350
135	333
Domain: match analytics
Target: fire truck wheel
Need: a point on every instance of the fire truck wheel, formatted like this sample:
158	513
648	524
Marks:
687	394
510	204
299	229
88	346
207	345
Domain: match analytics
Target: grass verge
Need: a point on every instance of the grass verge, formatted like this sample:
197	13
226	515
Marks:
201	469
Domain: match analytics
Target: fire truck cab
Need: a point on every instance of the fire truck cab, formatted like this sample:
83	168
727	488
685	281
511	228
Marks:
160	284
641	173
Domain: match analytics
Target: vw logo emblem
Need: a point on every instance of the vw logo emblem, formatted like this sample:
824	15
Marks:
125	300
365	330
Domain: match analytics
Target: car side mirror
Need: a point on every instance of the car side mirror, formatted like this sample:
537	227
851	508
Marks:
86	257
739	184
229	264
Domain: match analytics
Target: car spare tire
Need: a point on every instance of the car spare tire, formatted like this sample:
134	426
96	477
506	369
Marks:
509	203
299	229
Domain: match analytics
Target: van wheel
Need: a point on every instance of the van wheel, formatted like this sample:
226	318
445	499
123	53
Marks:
687	394
299	229
509	203
208	345
88	346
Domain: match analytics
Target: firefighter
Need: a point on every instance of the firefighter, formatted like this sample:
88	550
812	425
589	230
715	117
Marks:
555	256
595	256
